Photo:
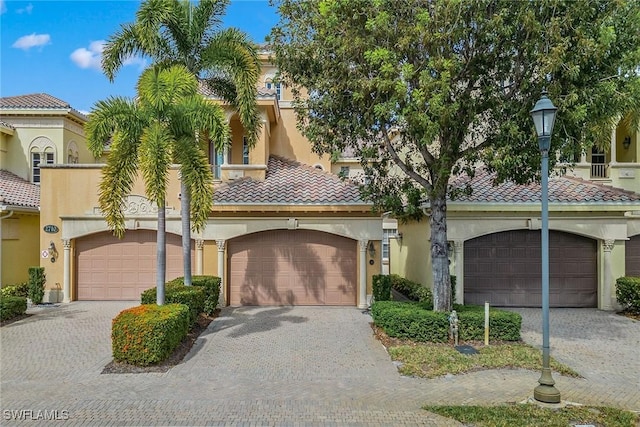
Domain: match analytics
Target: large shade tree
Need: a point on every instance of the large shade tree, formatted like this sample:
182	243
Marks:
181	32
146	135
424	90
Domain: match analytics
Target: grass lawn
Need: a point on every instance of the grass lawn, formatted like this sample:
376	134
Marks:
533	415
434	360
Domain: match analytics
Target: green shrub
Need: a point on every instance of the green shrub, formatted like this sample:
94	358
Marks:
454	280
176	293
381	287
410	320
628	293
12	306
211	285
503	325
412	290
17	290
148	334
37	280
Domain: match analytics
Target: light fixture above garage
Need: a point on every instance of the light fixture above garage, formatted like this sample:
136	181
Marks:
372	250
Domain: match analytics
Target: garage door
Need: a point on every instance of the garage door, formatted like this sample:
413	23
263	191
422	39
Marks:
292	267
632	256
120	269
505	269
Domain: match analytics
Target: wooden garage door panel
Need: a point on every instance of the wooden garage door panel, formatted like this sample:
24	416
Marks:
292	267
505	269
112	269
632	256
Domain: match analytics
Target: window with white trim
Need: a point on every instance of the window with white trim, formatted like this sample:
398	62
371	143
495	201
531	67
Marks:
387	233
245	151
269	84
36	160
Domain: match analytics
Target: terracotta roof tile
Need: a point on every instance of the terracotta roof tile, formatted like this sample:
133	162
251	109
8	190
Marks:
36	101
561	190
15	191
289	182
263	92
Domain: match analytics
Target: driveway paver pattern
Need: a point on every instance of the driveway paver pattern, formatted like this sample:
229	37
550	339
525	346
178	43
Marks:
283	366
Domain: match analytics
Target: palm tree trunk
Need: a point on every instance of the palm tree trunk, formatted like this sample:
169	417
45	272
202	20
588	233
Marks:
185	207
161	254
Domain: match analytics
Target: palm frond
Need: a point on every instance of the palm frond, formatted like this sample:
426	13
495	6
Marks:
108	116
155	159
196	174
119	47
117	180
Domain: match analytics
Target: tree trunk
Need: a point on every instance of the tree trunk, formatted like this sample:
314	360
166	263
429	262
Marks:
161	261
440	254
185	212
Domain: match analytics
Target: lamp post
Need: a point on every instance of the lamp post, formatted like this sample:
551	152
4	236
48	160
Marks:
544	116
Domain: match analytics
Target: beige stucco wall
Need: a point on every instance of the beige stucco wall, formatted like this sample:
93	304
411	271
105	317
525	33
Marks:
410	258
20	238
287	141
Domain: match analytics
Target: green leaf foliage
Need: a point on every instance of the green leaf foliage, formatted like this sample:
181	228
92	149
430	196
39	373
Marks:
177	293
148	334
628	293
12	306
381	287
37	280
211	285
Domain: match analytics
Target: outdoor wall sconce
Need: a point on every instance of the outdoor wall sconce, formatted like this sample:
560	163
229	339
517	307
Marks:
52	251
627	142
399	238
372	250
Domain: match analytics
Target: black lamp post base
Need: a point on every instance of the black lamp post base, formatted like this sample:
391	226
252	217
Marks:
546	391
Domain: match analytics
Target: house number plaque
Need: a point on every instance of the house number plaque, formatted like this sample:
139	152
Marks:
50	228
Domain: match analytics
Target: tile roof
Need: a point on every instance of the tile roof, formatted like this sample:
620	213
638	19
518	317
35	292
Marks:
15	191
6	125
289	182
263	92
36	101
561	190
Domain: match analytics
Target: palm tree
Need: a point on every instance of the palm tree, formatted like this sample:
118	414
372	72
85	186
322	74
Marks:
179	32
146	135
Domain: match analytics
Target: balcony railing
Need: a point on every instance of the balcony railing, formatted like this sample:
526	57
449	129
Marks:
599	170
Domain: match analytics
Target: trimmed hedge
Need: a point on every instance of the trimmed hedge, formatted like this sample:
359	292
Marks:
17	290
37	279
148	334
410	320
381	287
175	293
412	290
211	285
12	306
628	293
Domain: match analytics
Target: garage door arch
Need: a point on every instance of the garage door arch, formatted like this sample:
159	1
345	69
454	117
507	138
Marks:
505	269
108	268
292	267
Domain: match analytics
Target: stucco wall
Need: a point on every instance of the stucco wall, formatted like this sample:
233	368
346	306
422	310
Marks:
20	250
411	258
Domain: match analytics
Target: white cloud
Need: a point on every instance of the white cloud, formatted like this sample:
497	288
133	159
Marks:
92	57
26	10
89	58
32	40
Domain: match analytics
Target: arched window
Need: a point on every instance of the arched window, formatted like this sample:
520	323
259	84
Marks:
41	151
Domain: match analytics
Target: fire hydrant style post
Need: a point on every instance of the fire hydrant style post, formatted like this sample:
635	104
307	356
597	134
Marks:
453	326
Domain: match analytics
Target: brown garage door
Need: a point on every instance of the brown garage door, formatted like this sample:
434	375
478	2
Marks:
292	267
120	269
632	256
505	268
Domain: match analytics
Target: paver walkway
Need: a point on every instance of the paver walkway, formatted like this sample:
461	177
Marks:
269	366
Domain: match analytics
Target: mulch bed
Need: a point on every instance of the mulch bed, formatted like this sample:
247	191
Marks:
15	319
176	357
630	315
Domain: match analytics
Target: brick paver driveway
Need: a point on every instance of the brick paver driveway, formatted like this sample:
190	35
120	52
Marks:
260	366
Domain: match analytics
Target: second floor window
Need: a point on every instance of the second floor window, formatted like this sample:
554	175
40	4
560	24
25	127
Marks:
245	151
36	160
277	87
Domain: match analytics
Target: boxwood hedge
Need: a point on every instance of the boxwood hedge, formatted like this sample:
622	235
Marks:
176	293
211	285
11	307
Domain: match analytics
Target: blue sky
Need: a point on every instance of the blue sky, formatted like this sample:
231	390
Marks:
50	46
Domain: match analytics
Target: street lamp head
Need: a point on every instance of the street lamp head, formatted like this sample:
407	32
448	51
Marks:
544	116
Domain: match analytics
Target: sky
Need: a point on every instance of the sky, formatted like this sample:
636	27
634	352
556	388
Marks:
54	47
